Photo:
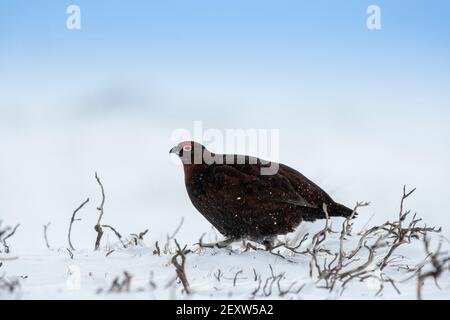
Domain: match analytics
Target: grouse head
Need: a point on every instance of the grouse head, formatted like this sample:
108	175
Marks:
190	152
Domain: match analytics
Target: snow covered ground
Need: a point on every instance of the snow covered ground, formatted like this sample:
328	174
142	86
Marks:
140	272
47	169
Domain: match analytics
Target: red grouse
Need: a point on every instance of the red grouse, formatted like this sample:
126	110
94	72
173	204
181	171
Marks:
240	202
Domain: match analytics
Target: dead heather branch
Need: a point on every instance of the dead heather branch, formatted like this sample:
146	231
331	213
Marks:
9	286
3	231
171	237
258	287
180	267
292	248
249	246
372	249
236	277
267	289
98	227
327	272
375	250
218	275
365	236
317	239
72	220
400	234
8	258
438	265
270	281
366	224
70	253
157	250
118	235
255	275
9	235
177	229
151	281
46	226
383	279
204	245
394	234
283	292
347	227
320	236
138	237
121	284
401	215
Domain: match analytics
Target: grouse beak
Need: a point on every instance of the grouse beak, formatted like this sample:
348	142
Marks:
175	150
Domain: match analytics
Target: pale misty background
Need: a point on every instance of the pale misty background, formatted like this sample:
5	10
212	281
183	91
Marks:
360	112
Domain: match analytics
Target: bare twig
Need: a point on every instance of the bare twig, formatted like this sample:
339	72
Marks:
121	285
118	235
9	236
151	281
45	235
157	249
180	268
171	237
258	287
320	236
236	277
139	236
70	253
294	248
218	274
249	246
174	234
72	220
255	275
8	258
98	227
281	292
437	266
267	288
403	235
9	286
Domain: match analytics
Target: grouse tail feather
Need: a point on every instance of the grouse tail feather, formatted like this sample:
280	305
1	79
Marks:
340	210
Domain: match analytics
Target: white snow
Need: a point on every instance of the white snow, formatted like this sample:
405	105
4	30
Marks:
52	274
47	171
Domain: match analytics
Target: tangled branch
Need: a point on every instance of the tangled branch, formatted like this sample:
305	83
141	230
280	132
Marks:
180	267
437	263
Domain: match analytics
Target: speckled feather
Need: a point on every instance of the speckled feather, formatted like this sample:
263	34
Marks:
241	203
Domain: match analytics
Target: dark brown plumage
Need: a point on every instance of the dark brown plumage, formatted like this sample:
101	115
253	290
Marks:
241	203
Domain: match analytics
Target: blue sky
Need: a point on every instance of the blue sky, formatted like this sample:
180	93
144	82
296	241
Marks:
209	54
289	34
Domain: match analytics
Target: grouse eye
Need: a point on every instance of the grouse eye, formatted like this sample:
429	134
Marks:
187	148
